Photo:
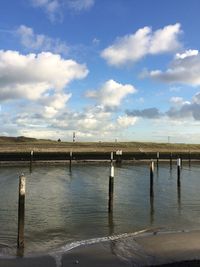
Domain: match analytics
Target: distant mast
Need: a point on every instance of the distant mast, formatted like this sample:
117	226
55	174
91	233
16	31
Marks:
74	137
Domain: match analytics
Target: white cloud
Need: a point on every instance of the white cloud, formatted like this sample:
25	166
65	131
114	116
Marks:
52	104
40	42
185	69
54	8
79	5
51	7
133	47
165	40
187	53
177	101
126	121
30	76
111	93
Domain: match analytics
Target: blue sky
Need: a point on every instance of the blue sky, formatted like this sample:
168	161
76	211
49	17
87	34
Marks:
106	69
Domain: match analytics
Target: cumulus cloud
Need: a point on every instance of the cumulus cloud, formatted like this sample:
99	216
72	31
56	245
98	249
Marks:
111	93
126	121
133	47
54	8
149	113
30	76
185	69
37	42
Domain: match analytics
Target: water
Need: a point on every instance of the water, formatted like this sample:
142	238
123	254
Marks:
63	206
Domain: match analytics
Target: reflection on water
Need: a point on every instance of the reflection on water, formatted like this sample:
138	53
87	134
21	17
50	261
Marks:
64	205
179	196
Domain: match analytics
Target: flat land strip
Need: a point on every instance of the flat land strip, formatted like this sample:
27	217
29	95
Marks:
24	144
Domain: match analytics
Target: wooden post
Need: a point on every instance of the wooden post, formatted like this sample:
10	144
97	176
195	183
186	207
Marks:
151	178
31	160
158	156
178	171
111	189
111	157
21	212
171	160
70	160
189	158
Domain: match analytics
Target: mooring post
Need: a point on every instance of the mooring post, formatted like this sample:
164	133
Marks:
158	156
70	160
111	157
189	156
178	171
31	160
111	189
151	178
171	160
21	212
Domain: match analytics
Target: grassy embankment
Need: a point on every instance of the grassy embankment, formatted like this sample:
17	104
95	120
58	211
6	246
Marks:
24	144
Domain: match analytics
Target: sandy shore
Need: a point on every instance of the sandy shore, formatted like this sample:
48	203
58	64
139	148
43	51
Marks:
148	249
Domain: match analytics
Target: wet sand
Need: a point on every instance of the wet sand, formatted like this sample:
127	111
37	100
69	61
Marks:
148	249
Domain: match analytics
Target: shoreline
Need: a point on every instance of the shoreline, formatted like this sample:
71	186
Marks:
155	248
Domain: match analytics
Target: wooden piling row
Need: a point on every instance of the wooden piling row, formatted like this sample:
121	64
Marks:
22	187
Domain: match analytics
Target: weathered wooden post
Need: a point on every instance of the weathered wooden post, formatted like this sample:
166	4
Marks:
158	156
178	171
21	212
189	156
111	189
70	160
170	160
181	162
151	191
151	178
111	157
31	160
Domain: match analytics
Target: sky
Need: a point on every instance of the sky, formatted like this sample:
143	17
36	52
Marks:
125	70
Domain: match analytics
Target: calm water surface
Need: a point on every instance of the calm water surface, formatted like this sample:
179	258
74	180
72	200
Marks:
64	206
